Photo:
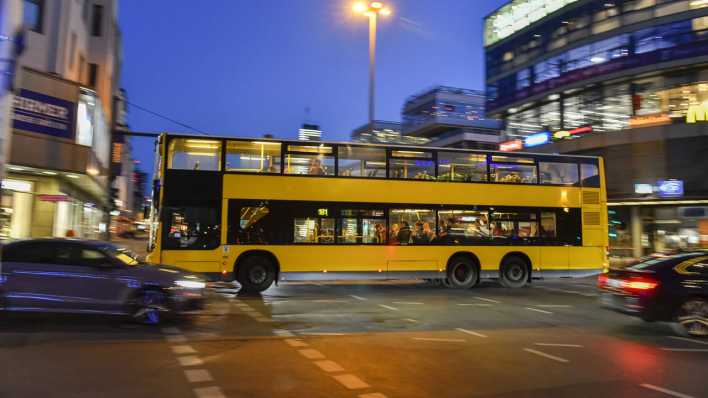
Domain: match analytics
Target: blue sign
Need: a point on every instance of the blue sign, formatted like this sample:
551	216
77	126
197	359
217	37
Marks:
537	139
40	113
669	188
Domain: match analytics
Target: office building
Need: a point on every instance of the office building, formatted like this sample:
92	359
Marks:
309	132
385	132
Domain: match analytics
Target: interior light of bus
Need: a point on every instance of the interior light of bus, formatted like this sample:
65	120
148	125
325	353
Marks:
264	143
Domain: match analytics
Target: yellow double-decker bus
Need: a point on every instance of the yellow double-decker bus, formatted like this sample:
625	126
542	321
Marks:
262	211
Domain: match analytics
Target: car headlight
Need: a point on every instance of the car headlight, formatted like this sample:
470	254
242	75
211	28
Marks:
190	284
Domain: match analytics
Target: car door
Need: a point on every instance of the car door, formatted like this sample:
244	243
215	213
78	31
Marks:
33	276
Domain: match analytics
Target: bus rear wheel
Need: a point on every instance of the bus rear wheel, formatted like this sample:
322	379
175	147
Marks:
255	274
462	273
514	272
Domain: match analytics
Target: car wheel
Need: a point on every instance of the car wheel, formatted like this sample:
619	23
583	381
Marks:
150	307
692	318
462	273
255	274
514	273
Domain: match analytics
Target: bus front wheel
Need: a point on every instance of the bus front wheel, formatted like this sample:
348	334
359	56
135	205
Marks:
514	272
255	273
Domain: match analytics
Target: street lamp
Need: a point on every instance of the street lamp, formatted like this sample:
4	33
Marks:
372	10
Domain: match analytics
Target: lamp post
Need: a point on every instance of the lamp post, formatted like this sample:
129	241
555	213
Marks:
372	10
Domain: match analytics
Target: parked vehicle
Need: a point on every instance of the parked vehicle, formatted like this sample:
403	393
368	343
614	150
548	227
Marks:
78	276
670	288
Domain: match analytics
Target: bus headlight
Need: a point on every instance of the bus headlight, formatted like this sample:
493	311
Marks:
190	284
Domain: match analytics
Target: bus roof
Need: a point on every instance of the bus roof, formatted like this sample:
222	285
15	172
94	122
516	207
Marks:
399	146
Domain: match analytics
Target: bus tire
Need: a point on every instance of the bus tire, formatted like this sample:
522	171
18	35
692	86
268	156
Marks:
255	273
514	272
462	273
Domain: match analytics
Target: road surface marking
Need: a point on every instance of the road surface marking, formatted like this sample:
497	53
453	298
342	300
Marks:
665	391
687	339
553	305
183	349
407	303
324	334
537	310
171	330
471	332
475	304
330	301
311	353
558	345
296	343
351	382
176	338
388	307
440	340
373	395
190	360
549	356
329	366
283	333
488	300
209	392
686	349
197	375
411	320
358	297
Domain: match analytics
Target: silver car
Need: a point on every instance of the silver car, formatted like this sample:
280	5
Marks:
76	276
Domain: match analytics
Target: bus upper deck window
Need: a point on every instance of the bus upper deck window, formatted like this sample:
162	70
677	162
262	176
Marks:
590	175
558	173
253	156
194	154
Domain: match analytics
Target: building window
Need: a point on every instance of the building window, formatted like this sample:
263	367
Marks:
93	75
33	14
253	157
362	162
97	20
194	154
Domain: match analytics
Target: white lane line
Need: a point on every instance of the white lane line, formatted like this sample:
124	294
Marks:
488	300
475	304
209	392
351	382
283	333
687	339
176	338
329	366
358	297
190	360
388	307
323	334
197	375
440	340
686	349
411	320
407	303
183	349
473	333
171	330
296	343
665	391
373	395
311	353
329	301
558	345
549	356
537	310
554	305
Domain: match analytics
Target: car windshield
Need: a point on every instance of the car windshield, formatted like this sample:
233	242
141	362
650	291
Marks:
664	260
124	255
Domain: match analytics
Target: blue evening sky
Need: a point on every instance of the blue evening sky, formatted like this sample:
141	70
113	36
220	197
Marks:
248	68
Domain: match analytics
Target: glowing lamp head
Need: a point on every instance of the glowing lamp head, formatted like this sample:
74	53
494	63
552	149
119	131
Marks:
359	7
371	9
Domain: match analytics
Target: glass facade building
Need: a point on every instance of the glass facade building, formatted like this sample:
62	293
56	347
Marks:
622	79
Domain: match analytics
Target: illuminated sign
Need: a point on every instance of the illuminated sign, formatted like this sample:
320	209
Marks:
322	212
537	139
513	145
697	113
517	15
559	135
17	185
649	120
643	189
669	188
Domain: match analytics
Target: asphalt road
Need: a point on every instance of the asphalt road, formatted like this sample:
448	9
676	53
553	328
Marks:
379	340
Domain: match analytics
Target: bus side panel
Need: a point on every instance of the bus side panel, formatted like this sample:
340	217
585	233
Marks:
586	259
203	261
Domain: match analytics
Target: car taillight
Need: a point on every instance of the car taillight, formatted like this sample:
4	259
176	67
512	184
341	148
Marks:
640	285
602	280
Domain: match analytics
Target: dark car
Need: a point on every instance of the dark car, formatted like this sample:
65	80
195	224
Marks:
74	276
670	289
